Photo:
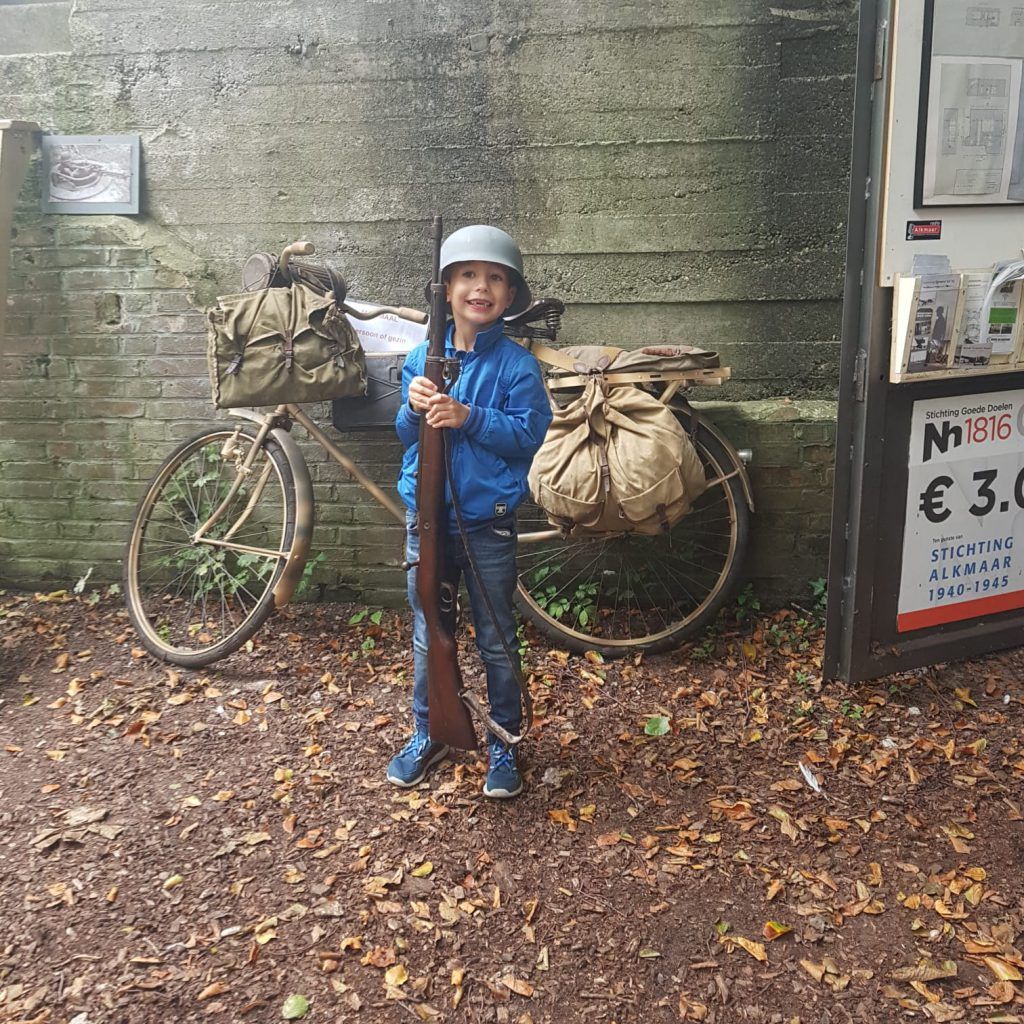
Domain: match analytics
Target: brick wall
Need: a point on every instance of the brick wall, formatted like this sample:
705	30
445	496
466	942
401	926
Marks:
104	372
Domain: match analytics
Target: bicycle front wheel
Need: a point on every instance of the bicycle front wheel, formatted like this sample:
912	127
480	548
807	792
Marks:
193	601
627	592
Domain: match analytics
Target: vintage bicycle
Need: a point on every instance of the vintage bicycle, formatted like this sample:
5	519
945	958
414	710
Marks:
222	534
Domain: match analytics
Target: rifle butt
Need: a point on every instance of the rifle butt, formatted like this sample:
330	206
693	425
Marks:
449	720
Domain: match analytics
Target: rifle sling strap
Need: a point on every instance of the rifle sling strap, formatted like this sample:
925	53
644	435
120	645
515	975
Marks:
474	703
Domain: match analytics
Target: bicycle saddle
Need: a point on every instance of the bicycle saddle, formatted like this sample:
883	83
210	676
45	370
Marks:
542	309
548	310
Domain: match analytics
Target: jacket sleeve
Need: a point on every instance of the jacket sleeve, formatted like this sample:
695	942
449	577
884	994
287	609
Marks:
517	430
407	422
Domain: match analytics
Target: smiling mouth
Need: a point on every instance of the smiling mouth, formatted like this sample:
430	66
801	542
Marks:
479	304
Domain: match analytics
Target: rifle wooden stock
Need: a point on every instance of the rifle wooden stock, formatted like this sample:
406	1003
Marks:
449	718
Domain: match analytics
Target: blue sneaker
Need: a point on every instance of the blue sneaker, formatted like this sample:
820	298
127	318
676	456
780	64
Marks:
411	764
503	778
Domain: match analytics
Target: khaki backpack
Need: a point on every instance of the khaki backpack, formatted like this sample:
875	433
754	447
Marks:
616	459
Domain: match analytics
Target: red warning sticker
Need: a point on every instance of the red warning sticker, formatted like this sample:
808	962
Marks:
917	229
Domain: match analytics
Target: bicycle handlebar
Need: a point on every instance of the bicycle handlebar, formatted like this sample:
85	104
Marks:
295	249
307	249
415	315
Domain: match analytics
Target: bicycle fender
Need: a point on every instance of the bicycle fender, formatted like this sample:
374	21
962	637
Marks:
748	492
303	519
292	573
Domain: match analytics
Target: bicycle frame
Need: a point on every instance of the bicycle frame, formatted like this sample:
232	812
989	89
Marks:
279	424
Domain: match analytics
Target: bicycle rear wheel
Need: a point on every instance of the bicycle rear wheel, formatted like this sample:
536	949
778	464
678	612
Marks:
193	602
628	592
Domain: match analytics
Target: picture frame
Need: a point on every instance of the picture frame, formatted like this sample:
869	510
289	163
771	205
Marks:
970	131
90	174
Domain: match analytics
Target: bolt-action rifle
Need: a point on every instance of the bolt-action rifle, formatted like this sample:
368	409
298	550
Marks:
449	718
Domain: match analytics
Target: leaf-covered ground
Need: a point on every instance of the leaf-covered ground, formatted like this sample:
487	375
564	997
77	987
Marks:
709	835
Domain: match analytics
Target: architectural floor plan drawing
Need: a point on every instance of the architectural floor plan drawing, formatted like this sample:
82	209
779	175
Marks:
972	103
974	120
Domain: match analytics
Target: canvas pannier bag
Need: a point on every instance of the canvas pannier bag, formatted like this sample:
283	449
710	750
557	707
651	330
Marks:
282	345
616	459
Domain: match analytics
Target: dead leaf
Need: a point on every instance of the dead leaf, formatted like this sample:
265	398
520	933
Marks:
85	815
214	989
690	1009
926	971
396	975
518	985
943	1012
755	949
816	971
785	822
563	817
379	956
1001	969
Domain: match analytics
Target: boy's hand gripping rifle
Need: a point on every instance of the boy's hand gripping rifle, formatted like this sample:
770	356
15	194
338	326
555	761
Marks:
449	718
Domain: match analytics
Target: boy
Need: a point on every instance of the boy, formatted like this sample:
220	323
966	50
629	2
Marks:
497	413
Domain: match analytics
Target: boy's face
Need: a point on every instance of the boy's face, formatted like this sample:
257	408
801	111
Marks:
479	292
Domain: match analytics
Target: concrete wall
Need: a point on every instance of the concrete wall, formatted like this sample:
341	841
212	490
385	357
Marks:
676	171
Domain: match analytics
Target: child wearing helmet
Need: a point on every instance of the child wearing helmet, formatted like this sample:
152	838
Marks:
497	413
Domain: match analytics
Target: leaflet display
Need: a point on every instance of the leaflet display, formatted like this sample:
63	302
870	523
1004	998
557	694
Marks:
960	324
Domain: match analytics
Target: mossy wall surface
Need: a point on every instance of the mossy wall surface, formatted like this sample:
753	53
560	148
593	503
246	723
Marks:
675	171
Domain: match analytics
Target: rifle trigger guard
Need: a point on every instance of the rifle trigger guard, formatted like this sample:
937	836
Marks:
447	597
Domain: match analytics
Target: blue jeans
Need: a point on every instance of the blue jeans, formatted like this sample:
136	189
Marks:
493	546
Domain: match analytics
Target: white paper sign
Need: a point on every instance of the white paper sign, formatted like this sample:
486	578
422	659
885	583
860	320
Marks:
386	333
962	546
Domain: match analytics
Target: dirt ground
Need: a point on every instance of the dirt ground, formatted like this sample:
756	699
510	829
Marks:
183	846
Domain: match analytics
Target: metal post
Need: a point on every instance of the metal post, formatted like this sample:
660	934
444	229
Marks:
17	142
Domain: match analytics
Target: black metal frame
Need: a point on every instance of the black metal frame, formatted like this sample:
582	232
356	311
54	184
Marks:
873	428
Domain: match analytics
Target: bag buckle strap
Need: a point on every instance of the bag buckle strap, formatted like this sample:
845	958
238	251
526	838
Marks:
289	350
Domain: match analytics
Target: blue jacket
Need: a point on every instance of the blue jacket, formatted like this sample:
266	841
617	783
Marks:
509	415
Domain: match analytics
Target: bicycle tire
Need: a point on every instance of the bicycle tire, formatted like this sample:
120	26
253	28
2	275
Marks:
623	623
170	580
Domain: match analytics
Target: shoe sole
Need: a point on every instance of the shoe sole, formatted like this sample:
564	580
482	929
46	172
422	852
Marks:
408	784
502	794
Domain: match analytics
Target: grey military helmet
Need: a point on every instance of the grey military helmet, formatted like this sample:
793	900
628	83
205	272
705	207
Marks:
483	242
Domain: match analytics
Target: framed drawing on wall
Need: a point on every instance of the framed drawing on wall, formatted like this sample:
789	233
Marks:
90	174
970	137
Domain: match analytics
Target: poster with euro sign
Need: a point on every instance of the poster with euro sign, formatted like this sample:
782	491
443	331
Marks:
964	539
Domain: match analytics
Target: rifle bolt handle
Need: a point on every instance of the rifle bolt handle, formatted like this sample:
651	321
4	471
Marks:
406	565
